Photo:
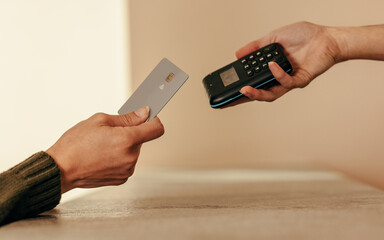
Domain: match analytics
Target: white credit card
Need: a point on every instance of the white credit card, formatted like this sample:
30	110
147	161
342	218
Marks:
157	89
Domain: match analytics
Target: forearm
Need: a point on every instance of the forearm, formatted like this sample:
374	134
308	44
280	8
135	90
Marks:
29	188
366	42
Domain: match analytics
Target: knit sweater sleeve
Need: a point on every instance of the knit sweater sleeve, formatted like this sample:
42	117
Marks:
29	188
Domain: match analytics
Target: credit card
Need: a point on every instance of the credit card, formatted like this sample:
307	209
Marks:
157	89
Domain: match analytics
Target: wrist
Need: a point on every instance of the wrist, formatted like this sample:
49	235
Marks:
66	178
365	42
340	51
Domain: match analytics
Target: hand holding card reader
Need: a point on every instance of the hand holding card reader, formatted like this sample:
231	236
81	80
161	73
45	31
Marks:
223	86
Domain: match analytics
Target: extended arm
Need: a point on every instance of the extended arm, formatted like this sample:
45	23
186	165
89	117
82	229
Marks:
100	151
312	49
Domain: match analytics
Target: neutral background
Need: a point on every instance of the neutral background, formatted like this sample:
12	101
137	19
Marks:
62	61
338	119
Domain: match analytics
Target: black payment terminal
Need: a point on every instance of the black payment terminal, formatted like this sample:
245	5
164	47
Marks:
223	86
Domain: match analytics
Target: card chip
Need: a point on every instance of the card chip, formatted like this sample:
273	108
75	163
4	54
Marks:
170	77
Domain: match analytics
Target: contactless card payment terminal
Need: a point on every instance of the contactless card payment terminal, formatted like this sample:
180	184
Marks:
223	86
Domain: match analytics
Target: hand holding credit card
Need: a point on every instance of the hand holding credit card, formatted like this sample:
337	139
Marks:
157	89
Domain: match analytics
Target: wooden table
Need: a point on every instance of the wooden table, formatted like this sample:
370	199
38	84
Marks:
221	204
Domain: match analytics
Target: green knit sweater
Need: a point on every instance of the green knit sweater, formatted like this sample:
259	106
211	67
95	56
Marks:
29	188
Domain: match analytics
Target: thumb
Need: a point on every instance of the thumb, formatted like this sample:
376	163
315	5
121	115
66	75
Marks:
130	119
147	131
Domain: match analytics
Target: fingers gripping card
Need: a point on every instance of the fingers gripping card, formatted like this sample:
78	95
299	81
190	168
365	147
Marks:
157	89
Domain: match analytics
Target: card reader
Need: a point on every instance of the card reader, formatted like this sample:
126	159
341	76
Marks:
223	86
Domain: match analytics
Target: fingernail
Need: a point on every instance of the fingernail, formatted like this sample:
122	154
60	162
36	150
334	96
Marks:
142	112
272	65
243	91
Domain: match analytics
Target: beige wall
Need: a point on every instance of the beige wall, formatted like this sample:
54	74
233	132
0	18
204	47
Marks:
338	117
60	62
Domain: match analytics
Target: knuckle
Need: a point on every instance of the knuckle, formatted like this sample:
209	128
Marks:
127	119
130	165
161	129
124	180
289	84
158	127
305	78
130	162
301	85
130	173
100	117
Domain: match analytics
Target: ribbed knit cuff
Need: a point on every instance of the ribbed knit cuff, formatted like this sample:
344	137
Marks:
34	185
